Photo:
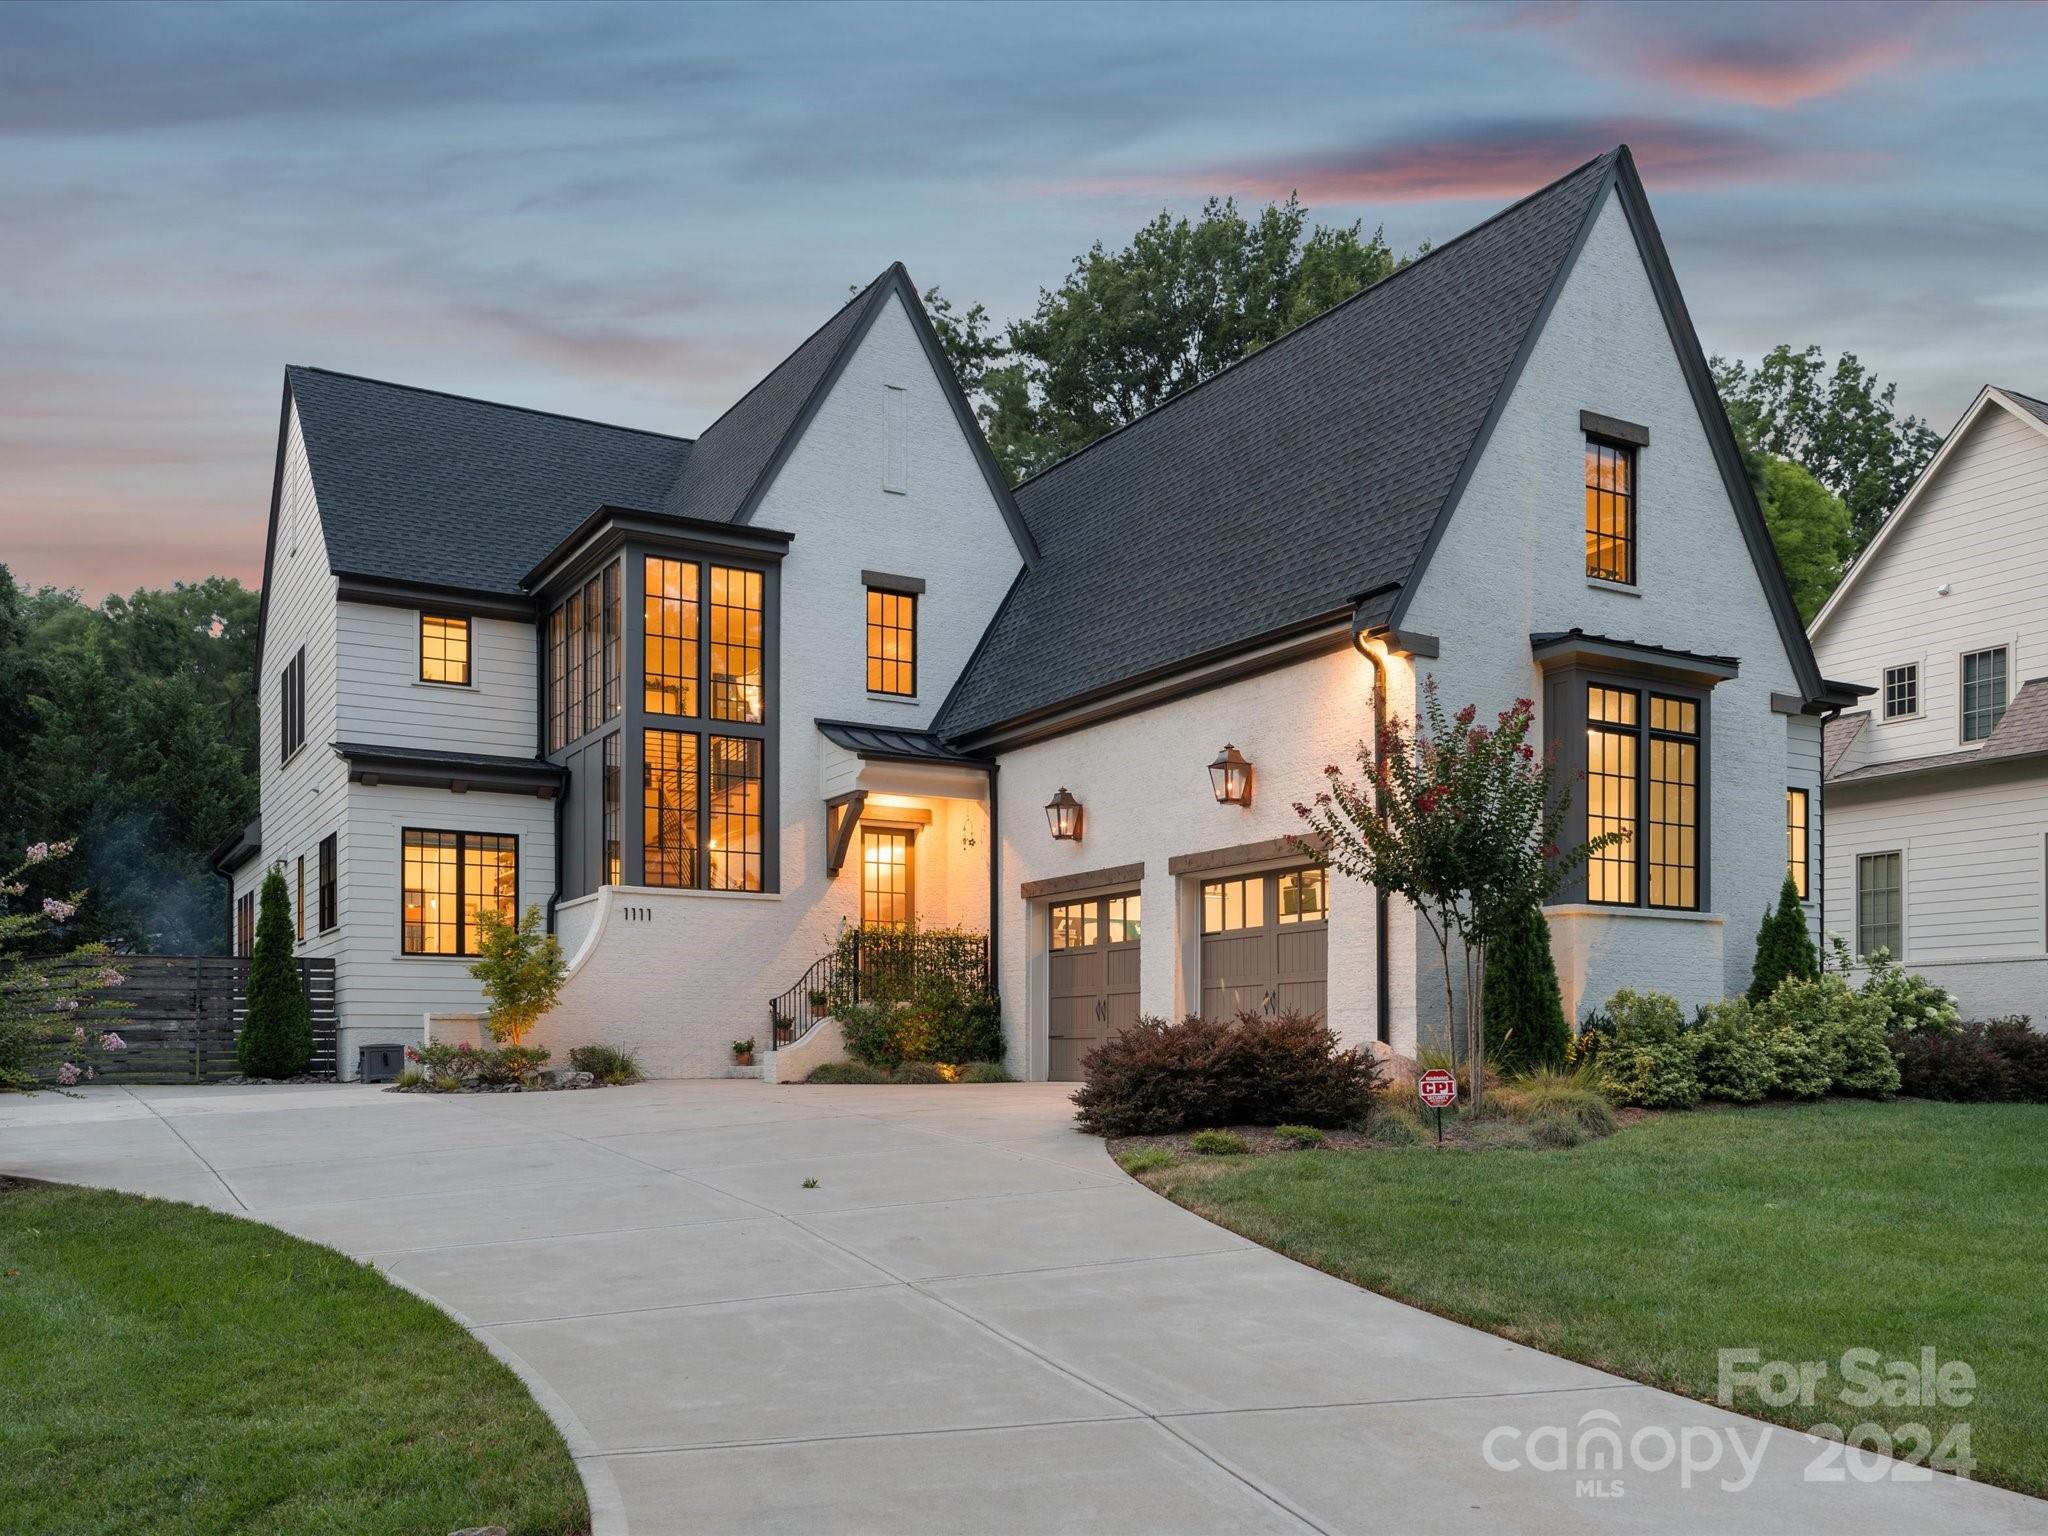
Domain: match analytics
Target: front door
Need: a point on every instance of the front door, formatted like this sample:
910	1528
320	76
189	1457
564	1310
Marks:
1093	963
1266	944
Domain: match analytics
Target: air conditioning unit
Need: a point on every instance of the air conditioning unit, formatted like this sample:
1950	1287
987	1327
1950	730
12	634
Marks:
380	1063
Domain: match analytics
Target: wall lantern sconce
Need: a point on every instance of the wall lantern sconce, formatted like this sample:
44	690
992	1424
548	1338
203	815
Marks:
1231	777
1063	815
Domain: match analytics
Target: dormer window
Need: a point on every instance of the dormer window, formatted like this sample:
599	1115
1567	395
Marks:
892	634
444	649
1610	511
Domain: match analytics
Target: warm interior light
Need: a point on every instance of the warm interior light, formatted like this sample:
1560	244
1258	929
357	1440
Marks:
1063	815
1230	776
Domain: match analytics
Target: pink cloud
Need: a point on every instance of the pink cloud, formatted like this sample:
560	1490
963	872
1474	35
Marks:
1770	71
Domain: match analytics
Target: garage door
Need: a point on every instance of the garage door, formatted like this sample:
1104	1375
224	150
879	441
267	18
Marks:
1093	958
1266	944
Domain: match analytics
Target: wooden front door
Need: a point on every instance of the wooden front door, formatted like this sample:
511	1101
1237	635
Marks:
1092	957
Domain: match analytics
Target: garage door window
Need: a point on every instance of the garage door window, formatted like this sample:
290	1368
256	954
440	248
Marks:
1305	896
1074	925
1123	920
1230	905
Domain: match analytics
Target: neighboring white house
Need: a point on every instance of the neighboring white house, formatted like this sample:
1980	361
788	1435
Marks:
712	703
1937	789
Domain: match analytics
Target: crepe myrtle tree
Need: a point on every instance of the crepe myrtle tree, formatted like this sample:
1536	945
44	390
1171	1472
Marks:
1462	821
43	996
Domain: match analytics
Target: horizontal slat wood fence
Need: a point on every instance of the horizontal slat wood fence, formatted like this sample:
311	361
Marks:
181	1013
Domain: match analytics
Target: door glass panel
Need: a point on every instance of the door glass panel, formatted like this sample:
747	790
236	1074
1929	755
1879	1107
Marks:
1305	896
1074	925
885	898
1229	905
1123	920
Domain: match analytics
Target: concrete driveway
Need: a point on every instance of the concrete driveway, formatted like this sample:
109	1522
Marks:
973	1323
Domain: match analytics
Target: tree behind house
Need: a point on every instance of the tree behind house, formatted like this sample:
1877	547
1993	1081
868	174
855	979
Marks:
277	1024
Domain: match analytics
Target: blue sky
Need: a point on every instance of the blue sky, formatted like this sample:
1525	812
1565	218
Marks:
631	212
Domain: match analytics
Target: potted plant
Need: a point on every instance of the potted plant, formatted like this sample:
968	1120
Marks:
743	1053
818	1003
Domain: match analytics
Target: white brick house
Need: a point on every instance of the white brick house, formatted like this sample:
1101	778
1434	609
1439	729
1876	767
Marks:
835	671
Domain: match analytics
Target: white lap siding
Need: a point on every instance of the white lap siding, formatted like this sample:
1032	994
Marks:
382	700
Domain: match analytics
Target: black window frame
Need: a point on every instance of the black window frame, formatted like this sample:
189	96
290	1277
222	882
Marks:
1631	457
468	648
330	883
464	948
873	627
245	924
1901	683
1799	865
291	699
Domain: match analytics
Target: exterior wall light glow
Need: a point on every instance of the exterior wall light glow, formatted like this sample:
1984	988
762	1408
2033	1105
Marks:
1063	815
1231	777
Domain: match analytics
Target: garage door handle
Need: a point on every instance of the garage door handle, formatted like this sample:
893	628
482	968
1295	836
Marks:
1099	1014
1271	1002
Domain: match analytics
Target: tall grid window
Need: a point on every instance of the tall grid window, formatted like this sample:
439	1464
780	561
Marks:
595	653
330	883
1228	905
447	879
1674	802
1983	692
1880	905
572	687
672	618
611	809
1611	741
892	643
734	837
444	649
299	905
1610	511
1796	858
245	923
1305	896
885	878
669	808
558	674
735	644
291	701
1901	691
614	645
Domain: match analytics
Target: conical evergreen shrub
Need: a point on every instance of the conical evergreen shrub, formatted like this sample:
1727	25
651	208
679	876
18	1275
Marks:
1524	1011
277	1026
1784	946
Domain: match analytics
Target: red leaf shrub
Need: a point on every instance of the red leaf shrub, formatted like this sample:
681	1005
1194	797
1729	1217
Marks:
1264	1069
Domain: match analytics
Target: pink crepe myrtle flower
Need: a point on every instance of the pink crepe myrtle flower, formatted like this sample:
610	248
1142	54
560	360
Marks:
57	911
112	1042
67	1075
35	853
19	888
78	1035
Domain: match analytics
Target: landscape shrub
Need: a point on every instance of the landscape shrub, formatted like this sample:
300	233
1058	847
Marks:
846	1072
1555	1130
1145	1159
1784	946
2025	1053
1503	1135
1729	1053
509	1064
917	1072
1912	1003
1299	1135
1523	1008
985	1072
1400	1127
1644	1018
1219	1144
1995	1063
444	1064
1845	1029
609	1064
277	1025
1159	1076
941	1024
1574	1095
1646	1055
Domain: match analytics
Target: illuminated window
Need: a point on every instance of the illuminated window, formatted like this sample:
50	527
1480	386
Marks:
596	651
558	661
1983	693
1074	924
1123	919
671	637
735	645
299	906
892	643
734	838
1795	839
1901	691
444	649
448	877
611	809
1674	802
886	897
1305	896
614	645
1610	511
1611	788
572	686
1880	907
669	808
330	883
1228	905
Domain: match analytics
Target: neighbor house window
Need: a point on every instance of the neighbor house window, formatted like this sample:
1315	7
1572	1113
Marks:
447	878
668	811
1983	693
1795	839
887	899
245	923
444	649
1880	903
1610	511
330	883
1305	896
892	642
1902	691
1643	773
1229	905
291	701
736	644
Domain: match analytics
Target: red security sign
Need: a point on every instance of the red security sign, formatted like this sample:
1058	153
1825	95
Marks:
1438	1088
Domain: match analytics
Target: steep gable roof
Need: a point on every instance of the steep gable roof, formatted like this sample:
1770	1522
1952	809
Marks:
433	489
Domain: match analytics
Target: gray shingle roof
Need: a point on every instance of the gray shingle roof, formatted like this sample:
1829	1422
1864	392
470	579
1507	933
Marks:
419	486
2022	732
732	455
2027	402
1837	736
1280	489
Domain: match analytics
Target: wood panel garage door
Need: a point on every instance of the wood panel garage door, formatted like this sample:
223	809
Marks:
1093	960
1266	944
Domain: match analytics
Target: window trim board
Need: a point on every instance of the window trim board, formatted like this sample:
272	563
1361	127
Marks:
447	616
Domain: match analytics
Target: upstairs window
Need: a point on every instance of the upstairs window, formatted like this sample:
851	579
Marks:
1795	839
1610	511
291	710
1983	692
1902	691
444	649
330	884
736	644
583	650
892	643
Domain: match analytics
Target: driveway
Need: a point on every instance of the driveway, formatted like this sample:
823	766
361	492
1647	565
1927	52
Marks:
973	1323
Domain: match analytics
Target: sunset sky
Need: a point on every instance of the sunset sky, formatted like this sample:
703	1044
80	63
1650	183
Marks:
633	212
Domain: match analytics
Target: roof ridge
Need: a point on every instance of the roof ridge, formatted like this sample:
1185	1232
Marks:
496	405
1344	303
2020	394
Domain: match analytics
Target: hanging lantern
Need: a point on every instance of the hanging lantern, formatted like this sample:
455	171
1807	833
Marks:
1063	815
1231	777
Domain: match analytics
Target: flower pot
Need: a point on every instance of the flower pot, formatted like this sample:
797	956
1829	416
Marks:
745	1059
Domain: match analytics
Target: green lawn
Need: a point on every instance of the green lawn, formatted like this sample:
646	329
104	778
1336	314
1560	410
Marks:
167	1369
1800	1231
